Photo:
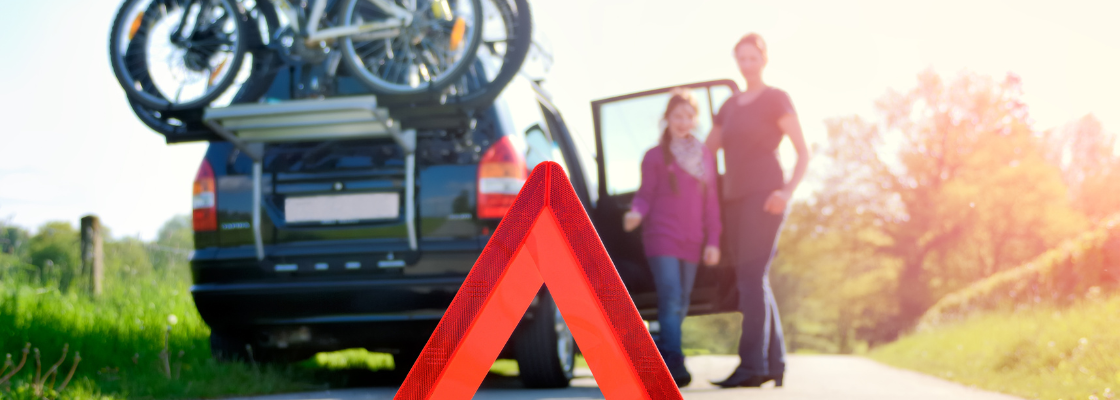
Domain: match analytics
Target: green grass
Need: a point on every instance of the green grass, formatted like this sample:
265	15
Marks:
121	337
350	359
711	334
505	368
1040	353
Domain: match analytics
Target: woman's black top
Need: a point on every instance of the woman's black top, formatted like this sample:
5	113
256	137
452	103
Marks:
750	143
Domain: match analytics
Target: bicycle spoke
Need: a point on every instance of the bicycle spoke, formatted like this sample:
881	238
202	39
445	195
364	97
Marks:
365	50
402	60
401	75
388	70
443	54
406	77
394	74
435	70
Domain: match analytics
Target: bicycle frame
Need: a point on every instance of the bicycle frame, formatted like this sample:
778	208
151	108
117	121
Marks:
309	28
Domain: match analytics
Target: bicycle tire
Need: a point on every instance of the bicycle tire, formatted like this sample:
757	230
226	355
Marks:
175	126
178	126
517	50
186	125
265	60
380	86
129	60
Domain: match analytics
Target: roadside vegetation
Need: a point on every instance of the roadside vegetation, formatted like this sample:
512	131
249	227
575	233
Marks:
1044	330
1045	352
141	339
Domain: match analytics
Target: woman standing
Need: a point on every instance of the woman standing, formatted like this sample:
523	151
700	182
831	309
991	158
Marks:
680	205
749	128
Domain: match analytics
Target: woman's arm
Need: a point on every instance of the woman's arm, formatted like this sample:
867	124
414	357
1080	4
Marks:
643	199
714	140
713	226
789	125
792	128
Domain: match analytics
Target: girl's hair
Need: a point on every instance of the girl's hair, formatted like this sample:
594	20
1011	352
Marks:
679	96
755	40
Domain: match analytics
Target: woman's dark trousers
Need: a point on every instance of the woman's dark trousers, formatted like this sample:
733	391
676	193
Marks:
751	240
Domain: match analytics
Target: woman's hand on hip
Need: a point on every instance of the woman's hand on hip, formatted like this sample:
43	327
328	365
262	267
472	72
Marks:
776	203
631	220
711	255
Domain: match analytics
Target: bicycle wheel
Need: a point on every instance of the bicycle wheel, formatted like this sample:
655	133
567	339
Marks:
256	75
177	54
507	38
429	54
186	125
175	126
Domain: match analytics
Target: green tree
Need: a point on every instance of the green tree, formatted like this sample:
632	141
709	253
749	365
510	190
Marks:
172	246
13	251
830	282
1090	165
54	250
127	260
953	179
13	240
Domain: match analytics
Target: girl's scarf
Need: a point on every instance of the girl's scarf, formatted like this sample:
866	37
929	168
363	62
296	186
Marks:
689	153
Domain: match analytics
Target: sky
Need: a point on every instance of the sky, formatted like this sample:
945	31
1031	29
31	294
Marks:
70	145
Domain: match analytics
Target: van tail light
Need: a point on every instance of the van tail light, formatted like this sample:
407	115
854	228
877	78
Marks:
205	199
501	173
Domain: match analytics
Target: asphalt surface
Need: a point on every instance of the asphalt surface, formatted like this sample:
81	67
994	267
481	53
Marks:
808	377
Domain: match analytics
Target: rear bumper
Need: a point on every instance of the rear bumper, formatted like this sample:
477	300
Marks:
378	314
241	292
335	307
324	302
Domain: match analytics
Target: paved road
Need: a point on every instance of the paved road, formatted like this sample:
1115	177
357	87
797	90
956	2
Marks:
809	377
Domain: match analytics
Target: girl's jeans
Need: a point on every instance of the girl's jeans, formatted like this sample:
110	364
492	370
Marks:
674	278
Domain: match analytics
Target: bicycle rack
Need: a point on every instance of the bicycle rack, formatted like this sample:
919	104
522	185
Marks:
250	126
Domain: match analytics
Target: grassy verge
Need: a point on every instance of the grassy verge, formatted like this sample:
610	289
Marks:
1080	265
711	334
1040	353
142	341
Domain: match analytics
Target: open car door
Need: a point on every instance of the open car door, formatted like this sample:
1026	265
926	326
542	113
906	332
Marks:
625	128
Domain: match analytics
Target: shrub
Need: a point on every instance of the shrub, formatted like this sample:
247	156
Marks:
1085	265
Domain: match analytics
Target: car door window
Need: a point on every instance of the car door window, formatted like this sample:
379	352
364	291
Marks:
719	95
629	126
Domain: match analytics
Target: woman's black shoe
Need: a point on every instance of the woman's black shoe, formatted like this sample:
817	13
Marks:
744	380
740	380
777	379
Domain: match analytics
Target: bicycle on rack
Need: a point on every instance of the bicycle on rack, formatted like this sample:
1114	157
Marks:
176	55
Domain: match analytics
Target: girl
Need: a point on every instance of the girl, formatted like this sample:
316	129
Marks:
749	128
680	206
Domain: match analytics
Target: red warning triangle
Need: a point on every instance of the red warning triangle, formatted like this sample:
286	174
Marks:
545	238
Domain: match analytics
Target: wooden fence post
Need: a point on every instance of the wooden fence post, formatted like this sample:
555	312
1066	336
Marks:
92	256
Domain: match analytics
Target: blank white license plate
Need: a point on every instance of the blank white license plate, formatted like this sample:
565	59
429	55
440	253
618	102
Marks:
342	207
